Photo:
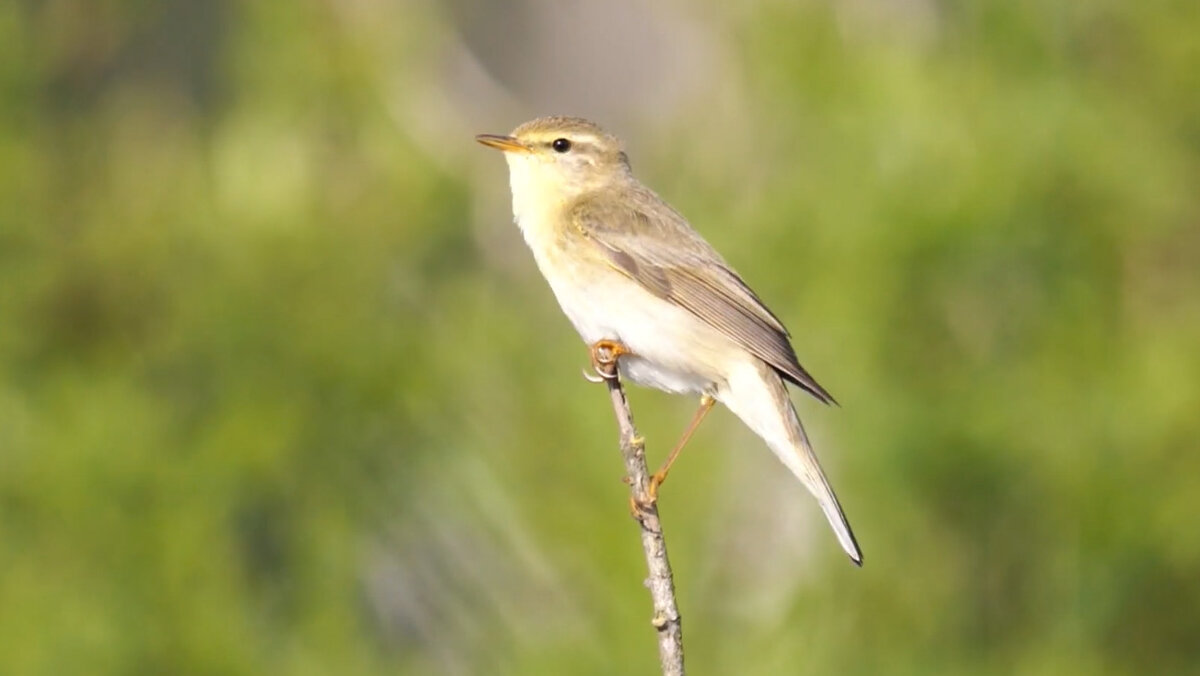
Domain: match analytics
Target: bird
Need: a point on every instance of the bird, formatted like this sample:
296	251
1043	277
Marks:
639	284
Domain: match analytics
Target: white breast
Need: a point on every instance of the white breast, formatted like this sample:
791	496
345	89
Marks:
672	349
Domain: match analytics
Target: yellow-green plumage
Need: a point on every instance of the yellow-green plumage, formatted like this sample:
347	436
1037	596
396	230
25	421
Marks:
627	267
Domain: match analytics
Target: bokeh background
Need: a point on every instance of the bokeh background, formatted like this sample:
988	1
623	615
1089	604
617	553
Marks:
281	390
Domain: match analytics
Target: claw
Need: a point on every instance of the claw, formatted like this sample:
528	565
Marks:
592	378
640	509
605	354
652	485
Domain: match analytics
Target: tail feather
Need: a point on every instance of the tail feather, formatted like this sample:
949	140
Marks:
804	464
757	395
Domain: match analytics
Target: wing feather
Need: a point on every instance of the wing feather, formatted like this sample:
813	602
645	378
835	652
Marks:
672	261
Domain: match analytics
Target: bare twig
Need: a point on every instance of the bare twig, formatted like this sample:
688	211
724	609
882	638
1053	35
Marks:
660	582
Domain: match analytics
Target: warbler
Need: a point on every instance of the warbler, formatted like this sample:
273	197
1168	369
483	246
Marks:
634	278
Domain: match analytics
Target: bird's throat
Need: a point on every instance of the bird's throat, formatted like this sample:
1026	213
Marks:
537	203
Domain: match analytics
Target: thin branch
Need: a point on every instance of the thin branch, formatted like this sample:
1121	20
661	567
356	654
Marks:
660	582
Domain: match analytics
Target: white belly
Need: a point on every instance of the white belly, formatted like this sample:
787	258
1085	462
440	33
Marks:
672	349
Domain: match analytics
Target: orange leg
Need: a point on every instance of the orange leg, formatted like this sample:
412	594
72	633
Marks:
706	404
604	357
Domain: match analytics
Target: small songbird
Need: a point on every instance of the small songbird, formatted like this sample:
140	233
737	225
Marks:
635	279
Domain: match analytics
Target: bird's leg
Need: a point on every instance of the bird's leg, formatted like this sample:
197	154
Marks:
604	357
657	479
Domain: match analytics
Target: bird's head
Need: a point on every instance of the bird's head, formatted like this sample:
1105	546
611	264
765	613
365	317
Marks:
555	159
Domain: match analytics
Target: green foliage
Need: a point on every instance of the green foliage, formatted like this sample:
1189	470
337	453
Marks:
269	405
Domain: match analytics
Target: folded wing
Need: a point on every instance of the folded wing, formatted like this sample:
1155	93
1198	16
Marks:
671	260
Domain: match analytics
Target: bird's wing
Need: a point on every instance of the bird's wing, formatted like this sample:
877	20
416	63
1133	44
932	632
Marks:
672	261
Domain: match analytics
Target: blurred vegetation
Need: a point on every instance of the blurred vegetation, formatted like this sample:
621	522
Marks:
268	404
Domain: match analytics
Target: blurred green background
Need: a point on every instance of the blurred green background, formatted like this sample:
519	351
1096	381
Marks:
281	391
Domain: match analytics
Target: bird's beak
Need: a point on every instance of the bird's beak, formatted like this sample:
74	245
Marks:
508	144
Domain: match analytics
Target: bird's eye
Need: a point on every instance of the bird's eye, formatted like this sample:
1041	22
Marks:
561	145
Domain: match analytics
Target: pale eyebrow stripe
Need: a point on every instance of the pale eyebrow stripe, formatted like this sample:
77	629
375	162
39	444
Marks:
575	137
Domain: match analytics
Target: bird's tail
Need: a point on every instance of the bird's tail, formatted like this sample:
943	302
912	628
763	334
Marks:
757	395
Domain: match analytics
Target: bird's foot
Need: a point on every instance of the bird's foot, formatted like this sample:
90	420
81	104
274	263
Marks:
646	504
604	354
642	507
652	485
